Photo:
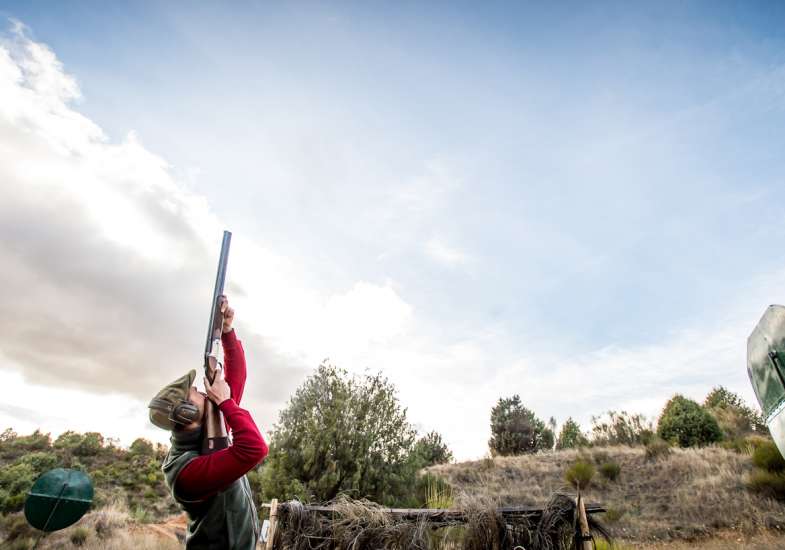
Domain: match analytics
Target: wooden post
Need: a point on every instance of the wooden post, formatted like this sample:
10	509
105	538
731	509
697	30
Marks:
273	521
583	522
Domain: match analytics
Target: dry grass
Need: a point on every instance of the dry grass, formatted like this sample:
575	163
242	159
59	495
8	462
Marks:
689	494
113	528
723	541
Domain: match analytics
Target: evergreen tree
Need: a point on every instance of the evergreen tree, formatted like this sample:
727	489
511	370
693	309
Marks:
570	436
430	449
516	430
341	434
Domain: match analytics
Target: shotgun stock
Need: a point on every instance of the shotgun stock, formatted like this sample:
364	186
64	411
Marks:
215	437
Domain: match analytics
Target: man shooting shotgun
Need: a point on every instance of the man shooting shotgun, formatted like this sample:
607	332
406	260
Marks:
204	472
215	437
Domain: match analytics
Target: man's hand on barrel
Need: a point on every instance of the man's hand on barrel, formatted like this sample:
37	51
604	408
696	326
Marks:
228	314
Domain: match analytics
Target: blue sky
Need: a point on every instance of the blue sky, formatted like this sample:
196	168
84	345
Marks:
542	199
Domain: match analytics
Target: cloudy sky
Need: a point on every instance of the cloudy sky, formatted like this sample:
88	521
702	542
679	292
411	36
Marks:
583	208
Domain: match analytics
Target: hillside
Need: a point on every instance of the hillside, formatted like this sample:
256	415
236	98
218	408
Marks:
686	495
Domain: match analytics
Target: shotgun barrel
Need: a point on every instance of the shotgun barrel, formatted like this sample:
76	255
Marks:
215	436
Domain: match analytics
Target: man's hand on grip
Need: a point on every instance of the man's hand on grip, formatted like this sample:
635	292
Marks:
218	391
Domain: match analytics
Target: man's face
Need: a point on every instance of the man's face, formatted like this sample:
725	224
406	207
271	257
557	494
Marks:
197	398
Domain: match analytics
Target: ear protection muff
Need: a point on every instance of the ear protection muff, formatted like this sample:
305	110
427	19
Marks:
184	412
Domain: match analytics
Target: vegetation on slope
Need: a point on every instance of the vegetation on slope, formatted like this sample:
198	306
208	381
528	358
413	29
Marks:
684	494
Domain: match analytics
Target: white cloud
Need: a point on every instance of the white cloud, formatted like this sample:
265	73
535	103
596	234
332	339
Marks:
109	261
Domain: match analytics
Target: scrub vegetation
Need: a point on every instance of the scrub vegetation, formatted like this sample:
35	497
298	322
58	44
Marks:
699	472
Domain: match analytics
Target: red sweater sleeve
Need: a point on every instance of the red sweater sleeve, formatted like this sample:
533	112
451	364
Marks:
234	364
208	474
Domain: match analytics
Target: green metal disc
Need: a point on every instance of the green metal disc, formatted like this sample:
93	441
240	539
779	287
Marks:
58	499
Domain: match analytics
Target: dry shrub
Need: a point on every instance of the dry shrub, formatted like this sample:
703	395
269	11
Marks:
79	536
600	457
107	519
15	527
657	448
19	544
353	524
484	529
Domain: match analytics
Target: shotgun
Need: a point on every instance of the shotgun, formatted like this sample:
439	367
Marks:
215	437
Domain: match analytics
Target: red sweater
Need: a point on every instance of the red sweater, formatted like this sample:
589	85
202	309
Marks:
208	474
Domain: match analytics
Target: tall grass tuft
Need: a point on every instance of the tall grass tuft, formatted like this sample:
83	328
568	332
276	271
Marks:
438	493
610	470
580	474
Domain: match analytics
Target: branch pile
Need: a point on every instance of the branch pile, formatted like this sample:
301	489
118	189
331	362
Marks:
346	524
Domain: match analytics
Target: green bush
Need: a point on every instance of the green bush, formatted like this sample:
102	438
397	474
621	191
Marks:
769	484
12	446
687	424
141	447
15	481
767	457
743	445
40	461
657	448
580	474
133	475
610	470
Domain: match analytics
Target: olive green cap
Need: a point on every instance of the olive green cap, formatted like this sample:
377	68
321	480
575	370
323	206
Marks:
165	401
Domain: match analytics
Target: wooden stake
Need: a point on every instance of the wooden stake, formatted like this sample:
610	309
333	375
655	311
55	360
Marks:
273	521
586	543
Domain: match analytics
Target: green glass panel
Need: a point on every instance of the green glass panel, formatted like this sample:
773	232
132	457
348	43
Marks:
58	499
766	372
